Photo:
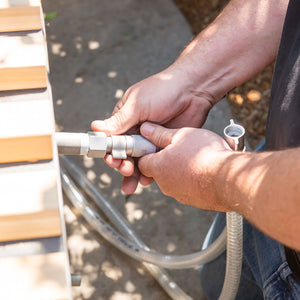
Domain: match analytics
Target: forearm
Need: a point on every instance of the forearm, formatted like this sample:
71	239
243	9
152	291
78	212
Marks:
265	189
242	41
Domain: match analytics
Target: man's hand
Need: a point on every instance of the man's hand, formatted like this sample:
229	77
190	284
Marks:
197	168
186	166
168	98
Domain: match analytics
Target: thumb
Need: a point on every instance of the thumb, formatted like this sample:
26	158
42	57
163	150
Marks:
158	135
118	123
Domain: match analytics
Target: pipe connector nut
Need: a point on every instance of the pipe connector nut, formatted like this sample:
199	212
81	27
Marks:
97	144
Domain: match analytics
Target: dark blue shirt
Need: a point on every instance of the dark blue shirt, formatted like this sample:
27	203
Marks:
283	125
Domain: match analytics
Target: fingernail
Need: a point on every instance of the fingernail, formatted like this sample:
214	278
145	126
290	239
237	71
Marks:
99	123
147	129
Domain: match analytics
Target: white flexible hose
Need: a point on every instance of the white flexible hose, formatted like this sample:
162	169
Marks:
234	256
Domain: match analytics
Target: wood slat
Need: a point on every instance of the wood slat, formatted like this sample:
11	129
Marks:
21	18
28	148
40	224
23	78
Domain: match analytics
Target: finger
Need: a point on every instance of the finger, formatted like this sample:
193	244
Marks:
158	135
113	163
130	183
121	102
148	165
117	107
145	180
126	167
119	122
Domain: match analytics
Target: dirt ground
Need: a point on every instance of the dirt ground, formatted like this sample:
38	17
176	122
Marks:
249	103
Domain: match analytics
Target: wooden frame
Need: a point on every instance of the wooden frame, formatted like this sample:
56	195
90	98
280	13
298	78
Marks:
30	190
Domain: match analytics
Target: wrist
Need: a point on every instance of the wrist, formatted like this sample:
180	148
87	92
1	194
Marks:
235	187
208	74
193	84
221	179
183	85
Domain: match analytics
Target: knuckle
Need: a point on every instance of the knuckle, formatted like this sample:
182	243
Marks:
116	120
161	138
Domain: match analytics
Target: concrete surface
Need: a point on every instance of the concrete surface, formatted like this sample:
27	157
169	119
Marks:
97	49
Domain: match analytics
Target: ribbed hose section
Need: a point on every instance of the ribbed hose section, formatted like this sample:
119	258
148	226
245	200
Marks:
234	256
